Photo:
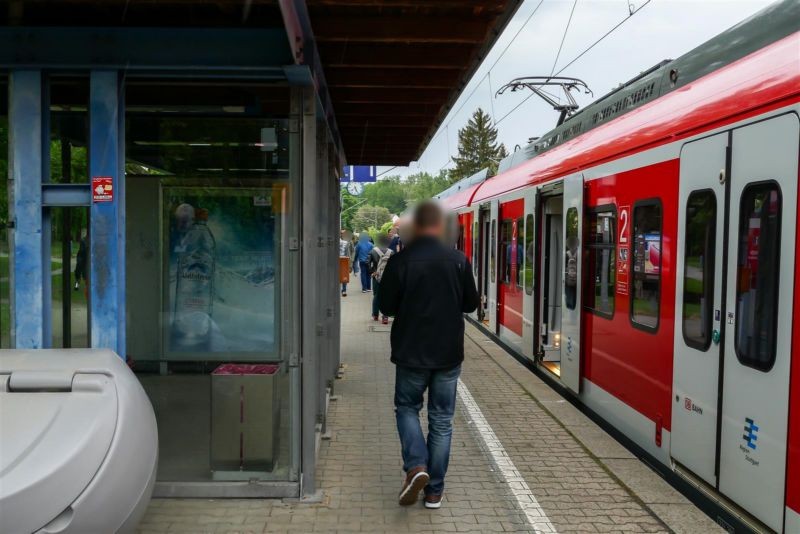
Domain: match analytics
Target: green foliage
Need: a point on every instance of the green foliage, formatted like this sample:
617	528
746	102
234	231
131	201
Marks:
477	147
423	186
368	216
349	203
389	193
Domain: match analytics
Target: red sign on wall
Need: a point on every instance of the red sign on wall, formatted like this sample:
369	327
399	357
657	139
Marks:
102	189
623	250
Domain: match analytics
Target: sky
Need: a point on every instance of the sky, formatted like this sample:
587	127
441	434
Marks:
662	29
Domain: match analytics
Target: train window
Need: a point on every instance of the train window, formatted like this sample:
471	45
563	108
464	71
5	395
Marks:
493	249
475	248
698	268
529	255
646	290
505	252
520	253
571	250
756	277
601	261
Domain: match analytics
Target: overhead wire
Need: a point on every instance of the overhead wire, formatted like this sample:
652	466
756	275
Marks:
563	37
488	72
576	58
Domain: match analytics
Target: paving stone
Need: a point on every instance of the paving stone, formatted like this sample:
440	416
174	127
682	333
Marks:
359	469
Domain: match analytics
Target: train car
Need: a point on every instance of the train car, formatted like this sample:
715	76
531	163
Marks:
646	254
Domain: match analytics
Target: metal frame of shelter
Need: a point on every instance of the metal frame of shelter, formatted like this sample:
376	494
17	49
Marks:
111	56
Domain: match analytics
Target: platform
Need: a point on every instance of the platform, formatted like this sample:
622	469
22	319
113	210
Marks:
523	460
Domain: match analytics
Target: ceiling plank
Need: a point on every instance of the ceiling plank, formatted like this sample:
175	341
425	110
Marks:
391	78
393	29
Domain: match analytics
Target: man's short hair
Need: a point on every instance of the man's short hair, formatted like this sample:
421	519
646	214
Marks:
428	214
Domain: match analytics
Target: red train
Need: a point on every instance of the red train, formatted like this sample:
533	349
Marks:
646	253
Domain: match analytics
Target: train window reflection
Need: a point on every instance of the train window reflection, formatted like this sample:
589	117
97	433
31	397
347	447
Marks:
519	260
756	280
698	268
492	238
475	248
601	261
645	296
505	251
571	251
529	254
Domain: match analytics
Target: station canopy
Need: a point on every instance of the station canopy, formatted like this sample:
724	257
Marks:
393	68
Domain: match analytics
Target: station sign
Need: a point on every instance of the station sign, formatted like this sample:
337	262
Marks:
360	173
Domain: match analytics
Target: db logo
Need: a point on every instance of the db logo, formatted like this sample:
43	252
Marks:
687	403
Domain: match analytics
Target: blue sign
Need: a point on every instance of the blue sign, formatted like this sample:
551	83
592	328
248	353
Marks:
360	173
751	433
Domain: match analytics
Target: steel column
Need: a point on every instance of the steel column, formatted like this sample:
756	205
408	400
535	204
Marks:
107	219
310	293
25	158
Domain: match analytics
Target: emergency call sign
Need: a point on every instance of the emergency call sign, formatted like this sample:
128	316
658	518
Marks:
102	189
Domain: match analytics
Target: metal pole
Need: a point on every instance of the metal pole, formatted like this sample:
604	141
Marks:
25	155
66	250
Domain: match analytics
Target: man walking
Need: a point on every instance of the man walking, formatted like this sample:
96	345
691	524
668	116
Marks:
427	287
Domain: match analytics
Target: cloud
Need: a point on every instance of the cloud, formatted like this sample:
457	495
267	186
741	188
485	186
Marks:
664	29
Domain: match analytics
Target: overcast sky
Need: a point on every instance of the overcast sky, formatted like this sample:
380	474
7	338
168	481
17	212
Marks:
663	29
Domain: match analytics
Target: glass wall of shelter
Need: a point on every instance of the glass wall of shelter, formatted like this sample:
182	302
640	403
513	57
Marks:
208	208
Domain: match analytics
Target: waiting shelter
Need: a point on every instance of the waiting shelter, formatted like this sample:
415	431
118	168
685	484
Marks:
173	194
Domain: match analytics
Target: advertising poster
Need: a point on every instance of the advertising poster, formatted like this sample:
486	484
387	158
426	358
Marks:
221	266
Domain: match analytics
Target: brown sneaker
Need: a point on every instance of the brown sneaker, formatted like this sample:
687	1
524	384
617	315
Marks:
416	480
433	502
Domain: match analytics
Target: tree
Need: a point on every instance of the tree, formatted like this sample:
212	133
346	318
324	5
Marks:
389	193
367	216
349	205
477	147
423	186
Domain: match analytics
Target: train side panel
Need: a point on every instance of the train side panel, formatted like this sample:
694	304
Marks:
792	519
631	363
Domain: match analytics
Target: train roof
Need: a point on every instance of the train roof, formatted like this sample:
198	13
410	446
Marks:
739	70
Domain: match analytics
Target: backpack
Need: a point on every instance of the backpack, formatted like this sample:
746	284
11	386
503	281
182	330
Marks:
382	264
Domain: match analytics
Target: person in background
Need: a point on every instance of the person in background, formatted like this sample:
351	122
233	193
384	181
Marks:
427	287
362	257
396	245
345	257
80	262
375	256
353	260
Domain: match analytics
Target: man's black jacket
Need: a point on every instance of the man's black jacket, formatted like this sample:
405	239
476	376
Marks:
427	288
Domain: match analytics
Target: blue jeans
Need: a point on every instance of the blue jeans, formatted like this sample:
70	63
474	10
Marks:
365	277
344	288
375	285
409	387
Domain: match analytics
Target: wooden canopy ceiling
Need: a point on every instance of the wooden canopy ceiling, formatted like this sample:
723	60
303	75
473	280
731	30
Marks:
394	68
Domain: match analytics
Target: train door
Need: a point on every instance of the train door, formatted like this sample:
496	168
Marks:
550	278
527	278
737	317
758	316
483	230
492	271
571	281
698	306
509	256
